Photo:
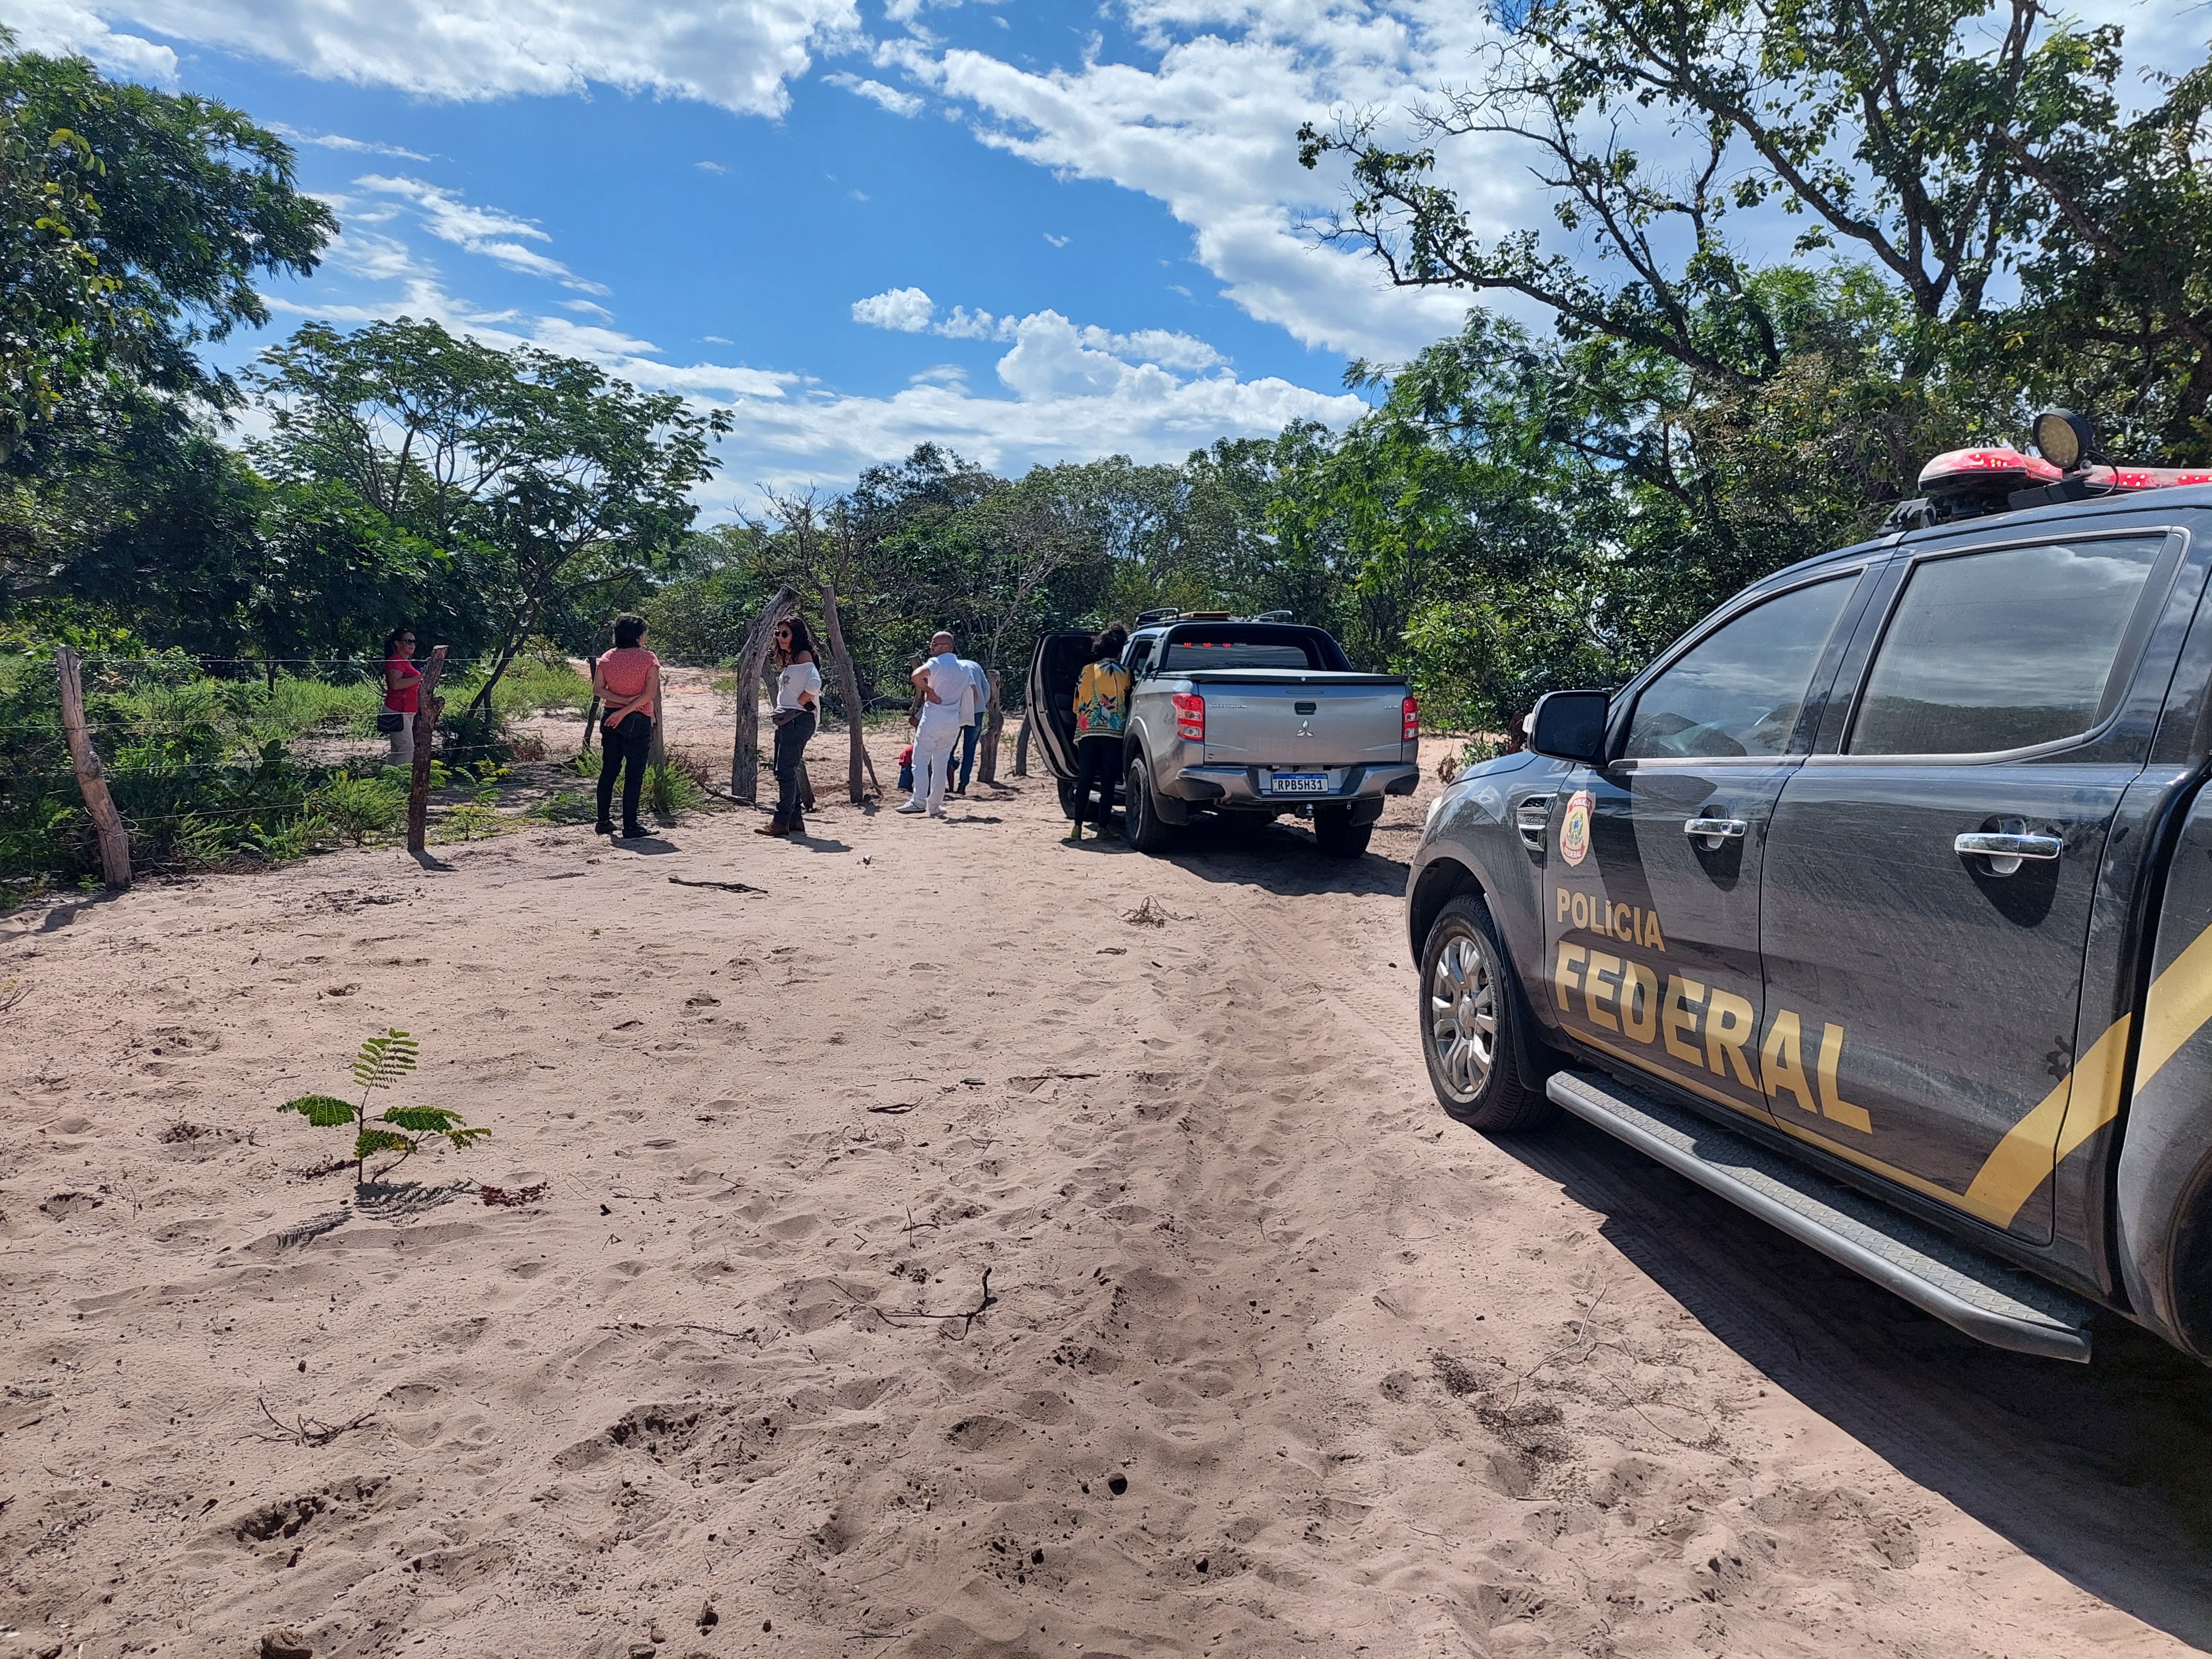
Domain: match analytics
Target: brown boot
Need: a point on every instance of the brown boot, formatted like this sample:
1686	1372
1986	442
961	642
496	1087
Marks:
774	827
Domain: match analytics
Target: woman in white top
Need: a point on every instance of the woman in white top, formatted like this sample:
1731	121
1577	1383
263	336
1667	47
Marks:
798	705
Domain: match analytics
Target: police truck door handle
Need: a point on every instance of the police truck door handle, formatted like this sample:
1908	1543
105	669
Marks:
1711	833
2006	849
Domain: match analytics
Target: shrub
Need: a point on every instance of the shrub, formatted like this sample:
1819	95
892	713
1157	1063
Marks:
357	808
378	1063
472	818
673	785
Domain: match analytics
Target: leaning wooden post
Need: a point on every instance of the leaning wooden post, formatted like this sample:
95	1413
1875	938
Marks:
848	693
992	727
428	706
752	655
91	779
1021	745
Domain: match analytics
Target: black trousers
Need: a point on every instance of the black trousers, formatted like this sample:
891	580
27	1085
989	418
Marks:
790	757
1097	764
625	745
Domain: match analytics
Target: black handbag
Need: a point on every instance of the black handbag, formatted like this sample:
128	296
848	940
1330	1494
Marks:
389	720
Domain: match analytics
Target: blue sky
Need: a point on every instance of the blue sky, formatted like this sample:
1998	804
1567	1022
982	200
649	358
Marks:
1034	232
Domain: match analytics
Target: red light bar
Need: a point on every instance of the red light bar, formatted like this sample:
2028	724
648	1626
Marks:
2001	466
1994	467
2149	477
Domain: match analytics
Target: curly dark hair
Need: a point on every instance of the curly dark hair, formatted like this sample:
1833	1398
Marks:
1112	640
802	639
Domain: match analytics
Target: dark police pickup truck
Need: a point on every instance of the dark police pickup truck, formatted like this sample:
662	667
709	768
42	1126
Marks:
1881	903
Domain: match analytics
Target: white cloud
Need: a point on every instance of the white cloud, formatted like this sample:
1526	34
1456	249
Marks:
1092	412
339	141
737	53
1057	241
490	232
911	311
897	102
638	361
58	27
1209	130
962	323
902	310
378	259
710	166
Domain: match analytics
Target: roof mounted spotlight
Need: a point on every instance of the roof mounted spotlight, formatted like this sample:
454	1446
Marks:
2065	440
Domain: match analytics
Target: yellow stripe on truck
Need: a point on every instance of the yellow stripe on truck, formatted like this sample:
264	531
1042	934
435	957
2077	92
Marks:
2179	1005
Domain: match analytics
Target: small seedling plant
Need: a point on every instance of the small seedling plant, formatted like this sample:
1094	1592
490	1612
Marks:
380	1062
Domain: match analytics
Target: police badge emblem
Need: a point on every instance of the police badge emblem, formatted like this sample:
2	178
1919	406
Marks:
1574	828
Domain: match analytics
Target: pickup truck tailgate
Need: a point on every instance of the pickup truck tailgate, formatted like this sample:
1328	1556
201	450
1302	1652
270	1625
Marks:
1308	720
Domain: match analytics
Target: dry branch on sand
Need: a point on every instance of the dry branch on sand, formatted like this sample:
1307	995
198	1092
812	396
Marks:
1152	914
306	1431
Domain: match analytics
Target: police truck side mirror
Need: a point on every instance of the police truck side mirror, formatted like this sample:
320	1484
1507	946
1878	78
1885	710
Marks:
1570	726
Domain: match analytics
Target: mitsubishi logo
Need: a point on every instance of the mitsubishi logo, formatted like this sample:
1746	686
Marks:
1305	728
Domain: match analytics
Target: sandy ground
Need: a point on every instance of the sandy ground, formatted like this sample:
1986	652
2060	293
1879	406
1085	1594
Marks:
935	1262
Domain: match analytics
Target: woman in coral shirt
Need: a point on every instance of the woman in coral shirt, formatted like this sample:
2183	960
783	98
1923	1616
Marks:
628	681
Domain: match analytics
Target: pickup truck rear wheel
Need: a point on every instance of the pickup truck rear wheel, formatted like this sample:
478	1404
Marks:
1147	831
1067	798
1338	836
1474	1025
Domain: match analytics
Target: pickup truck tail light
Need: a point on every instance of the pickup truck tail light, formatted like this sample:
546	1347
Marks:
1412	714
1190	716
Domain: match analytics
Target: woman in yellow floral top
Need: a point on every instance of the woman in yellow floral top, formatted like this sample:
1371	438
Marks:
1102	714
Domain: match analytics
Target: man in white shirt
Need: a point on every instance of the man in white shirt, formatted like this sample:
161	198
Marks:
971	720
944	685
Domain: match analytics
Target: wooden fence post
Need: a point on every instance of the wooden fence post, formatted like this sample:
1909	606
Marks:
752	654
428	706
91	779
991	728
848	693
1022	744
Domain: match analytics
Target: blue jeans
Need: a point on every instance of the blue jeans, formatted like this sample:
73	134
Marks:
968	736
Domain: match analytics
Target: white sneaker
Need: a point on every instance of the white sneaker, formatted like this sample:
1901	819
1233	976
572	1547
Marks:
914	806
937	811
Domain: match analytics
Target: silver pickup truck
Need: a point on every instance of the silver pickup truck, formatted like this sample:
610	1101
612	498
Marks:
1243	719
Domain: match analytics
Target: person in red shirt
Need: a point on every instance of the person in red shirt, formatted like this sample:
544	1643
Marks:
628	682
402	693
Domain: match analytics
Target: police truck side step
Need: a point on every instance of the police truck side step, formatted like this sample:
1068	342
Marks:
1935	1272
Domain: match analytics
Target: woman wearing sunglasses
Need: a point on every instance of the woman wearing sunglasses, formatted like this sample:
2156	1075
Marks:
798	704
403	683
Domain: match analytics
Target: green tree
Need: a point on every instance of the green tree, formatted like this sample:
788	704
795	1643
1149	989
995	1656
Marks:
553	487
137	223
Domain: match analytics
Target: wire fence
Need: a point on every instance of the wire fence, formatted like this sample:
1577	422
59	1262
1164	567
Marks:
208	769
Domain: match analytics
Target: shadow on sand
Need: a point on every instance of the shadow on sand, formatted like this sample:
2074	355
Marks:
2103	1473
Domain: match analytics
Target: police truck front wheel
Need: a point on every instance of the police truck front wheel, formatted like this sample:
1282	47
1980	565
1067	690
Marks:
1473	1026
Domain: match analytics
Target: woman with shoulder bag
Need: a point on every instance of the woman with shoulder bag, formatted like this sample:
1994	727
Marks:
798	704
403	683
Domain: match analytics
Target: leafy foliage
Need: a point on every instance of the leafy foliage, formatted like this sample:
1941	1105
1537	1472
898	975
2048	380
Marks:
554	487
381	1063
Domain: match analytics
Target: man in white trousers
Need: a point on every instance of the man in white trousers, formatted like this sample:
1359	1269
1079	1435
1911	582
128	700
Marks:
942	681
